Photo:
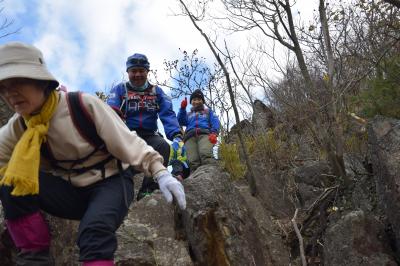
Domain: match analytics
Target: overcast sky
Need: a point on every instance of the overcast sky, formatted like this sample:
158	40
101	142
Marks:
86	42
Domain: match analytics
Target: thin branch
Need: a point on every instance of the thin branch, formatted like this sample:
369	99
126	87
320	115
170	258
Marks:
300	238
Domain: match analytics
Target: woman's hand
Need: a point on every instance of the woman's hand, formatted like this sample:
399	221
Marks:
170	187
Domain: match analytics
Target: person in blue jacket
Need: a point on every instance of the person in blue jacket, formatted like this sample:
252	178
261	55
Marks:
140	104
202	128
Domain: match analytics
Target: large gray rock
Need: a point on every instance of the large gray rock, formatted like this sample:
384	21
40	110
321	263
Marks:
313	173
271	236
357	240
364	194
219	228
148	236
275	190
310	180
63	247
384	153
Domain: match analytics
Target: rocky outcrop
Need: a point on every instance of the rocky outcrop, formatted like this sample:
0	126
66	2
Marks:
245	126
311	179
357	239
272	191
271	235
384	153
263	117
262	120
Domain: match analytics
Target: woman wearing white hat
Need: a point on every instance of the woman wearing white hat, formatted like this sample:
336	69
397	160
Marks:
29	183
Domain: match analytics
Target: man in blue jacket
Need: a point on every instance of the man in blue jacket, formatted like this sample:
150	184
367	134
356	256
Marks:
140	104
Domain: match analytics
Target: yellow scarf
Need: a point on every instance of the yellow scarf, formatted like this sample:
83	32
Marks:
22	170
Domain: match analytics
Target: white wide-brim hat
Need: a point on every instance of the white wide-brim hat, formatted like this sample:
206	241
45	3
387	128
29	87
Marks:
20	60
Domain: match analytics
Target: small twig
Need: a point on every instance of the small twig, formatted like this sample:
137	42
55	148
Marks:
321	197
326	196
282	228
300	238
328	175
253	260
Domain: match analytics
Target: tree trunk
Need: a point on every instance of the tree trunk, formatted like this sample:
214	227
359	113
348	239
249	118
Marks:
334	140
251	176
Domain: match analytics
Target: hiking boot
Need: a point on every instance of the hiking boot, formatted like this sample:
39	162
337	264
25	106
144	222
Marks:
148	186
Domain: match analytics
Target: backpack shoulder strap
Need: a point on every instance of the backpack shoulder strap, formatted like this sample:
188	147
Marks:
82	120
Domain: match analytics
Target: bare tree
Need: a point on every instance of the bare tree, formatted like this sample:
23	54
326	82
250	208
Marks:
325	60
275	20
193	72
5	30
6	24
212	46
187	74
332	57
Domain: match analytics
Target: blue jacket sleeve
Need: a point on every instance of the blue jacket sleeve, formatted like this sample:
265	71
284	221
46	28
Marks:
215	124
182	117
167	115
114	98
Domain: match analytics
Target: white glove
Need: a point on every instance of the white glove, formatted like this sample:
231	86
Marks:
170	186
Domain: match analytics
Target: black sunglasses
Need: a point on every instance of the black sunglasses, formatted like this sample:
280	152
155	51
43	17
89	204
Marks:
138	61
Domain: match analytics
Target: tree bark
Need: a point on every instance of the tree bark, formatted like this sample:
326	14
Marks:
334	135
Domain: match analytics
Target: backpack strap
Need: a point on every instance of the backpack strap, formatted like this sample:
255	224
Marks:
82	119
138	96
86	128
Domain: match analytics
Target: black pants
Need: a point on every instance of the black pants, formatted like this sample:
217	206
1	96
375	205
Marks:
100	207
163	148
179	168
